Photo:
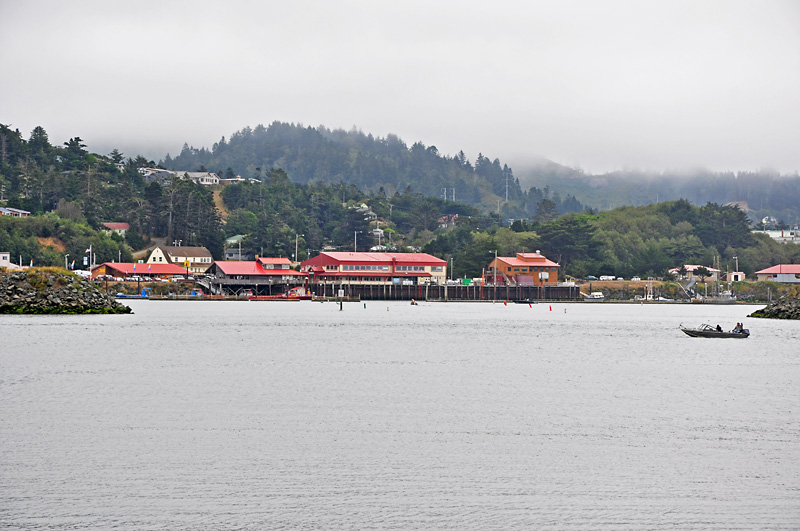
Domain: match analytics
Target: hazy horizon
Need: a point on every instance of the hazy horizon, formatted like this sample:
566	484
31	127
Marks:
596	86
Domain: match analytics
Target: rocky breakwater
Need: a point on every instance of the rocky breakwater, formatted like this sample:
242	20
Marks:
787	307
52	290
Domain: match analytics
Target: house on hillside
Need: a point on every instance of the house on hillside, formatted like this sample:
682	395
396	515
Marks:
116	228
376	268
233	249
14	212
785	273
524	269
205	178
161	176
196	259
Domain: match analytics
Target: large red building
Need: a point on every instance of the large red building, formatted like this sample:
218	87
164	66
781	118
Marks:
375	268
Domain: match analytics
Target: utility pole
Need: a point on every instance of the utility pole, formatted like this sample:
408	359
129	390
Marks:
296	236
494	276
355	240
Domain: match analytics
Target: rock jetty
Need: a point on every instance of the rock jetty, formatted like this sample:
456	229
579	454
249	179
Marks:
50	290
786	307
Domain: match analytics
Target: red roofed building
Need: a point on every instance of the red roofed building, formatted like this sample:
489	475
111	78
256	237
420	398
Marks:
375	268
252	272
130	269
524	269
118	228
691	268
787	273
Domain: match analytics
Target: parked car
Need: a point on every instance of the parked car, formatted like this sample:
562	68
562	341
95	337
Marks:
636	279
591	277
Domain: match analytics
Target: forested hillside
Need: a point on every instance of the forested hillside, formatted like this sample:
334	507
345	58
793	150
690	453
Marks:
628	241
310	155
761	194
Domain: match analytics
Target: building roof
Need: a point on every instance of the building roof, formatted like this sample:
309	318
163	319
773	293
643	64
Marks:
401	258
131	268
527	259
10	210
691	268
252	268
786	269
178	250
274	261
117	226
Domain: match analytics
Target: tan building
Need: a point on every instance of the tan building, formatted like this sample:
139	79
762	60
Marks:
524	269
786	273
196	259
714	275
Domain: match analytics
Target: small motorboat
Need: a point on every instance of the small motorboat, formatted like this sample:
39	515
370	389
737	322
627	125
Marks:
706	330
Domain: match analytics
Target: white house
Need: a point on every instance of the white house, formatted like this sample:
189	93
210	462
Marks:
5	261
196	259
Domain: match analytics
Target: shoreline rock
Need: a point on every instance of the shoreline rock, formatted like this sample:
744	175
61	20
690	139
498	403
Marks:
51	291
784	308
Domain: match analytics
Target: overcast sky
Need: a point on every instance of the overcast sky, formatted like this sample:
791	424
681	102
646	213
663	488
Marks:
598	85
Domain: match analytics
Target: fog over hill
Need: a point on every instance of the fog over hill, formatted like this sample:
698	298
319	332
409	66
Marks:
372	162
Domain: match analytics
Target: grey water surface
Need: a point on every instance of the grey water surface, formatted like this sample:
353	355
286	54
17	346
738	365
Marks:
283	415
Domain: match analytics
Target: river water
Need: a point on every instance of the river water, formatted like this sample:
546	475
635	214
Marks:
284	415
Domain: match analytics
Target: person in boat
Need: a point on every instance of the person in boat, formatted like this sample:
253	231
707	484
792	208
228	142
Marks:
738	328
719	328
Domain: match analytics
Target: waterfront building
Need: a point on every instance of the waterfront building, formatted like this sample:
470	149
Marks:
145	272
524	269
259	276
786	273
273	270
375	268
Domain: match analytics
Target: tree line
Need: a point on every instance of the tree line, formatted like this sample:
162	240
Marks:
73	191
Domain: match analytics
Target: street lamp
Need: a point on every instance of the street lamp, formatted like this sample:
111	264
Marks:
355	239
